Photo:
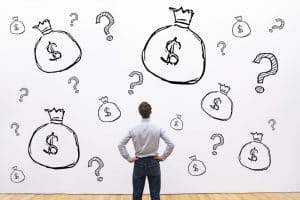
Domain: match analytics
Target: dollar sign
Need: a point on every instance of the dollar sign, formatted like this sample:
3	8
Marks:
16	27
16	175
55	54
52	149
195	167
107	112
172	58
176	123
253	153
216	104
240	28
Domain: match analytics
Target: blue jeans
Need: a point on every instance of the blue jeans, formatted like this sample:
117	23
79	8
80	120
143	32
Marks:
146	167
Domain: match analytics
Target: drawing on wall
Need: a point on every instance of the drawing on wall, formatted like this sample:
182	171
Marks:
220	143
111	21
217	104
255	155
15	126
196	167
25	93
54	145
272	122
56	50
177	123
223	44
274	68
108	111
100	166
175	53
139	82
240	28
17	176
279	27
75	18
17	27
76	80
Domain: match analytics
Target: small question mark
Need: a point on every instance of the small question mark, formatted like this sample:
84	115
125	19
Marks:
15	124
75	19
220	136
110	23
76	83
139	82
97	171
274	68
224	46
26	92
282	23
272	122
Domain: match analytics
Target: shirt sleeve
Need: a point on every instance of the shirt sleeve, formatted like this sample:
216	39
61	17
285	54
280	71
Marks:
170	146
122	146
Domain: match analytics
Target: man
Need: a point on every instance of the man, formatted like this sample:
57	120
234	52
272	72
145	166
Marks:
145	137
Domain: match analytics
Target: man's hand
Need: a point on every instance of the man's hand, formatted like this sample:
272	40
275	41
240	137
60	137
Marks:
158	158
131	160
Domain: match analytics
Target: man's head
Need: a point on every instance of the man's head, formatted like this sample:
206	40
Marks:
145	109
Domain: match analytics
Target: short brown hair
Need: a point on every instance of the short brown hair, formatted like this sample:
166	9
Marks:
145	109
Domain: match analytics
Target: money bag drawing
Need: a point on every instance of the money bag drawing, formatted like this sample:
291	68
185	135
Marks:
17	27
54	145
196	167
240	28
108	111
255	155
177	123
17	176
55	51
217	104
175	53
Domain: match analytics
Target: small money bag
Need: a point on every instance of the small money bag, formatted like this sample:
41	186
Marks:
196	167
175	53
217	104
177	123
54	145
240	28
255	155
17	176
108	111
55	51
17	27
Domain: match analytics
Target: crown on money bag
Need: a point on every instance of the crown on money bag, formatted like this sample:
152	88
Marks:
257	136
104	99
182	17
224	89
56	115
44	27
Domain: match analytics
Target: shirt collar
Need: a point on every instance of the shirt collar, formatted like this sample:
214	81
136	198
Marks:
145	119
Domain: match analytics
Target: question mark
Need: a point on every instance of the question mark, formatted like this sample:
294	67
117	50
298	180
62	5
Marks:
139	82
110	23
75	19
76	83
282	23
224	46
274	68
23	95
220	136
97	171
273	121
15	124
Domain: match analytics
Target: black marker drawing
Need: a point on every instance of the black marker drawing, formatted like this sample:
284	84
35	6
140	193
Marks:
54	145
100	166
139	82
282	23
215	146
240	28
108	111
175	53
196	167
177	123
75	18
16	127
274	68
111	21
223	44
74	78
55	51
26	92
255	155
17	27
272	122
17	176
217	104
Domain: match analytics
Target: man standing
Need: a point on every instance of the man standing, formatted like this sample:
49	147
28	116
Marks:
145	137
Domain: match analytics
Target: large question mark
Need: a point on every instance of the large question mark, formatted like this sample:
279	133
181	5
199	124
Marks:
273	122
111	21
282	23
75	19
224	46
274	68
133	84
97	171
15	124
76	83
26	92
215	146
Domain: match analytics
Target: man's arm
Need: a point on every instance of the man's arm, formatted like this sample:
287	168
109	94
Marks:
122	148
169	148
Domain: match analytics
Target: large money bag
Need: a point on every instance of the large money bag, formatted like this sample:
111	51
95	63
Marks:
255	155
217	104
54	145
108	111
196	167
55	51
175	53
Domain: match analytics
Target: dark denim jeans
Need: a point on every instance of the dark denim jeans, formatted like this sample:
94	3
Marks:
146	167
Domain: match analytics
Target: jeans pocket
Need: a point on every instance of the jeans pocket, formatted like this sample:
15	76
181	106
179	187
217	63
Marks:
139	170
154	170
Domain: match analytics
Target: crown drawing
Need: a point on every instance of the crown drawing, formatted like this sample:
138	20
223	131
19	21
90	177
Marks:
257	136
44	27
182	16
224	89
56	115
